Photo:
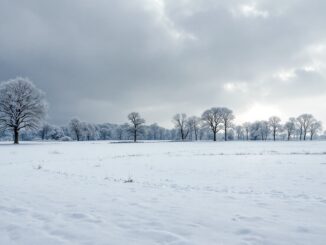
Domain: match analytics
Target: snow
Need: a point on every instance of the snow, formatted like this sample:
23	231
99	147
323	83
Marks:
181	193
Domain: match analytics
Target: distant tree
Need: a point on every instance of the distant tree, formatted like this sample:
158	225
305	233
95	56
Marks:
76	129
180	123
104	132
213	119
246	127
314	128
255	130
45	131
56	133
136	123
22	106
121	131
304	121
227	118
194	125
240	132
275	124
89	131
264	129
155	131
290	127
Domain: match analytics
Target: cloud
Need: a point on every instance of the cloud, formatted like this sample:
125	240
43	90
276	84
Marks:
99	60
250	11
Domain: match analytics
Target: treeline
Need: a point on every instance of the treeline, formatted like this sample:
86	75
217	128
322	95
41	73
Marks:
215	124
23	109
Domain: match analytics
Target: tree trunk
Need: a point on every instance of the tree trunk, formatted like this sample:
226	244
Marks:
225	134
274	136
16	136
300	134
135	135
214	136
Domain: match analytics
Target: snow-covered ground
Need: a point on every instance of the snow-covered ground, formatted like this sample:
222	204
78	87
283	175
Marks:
182	193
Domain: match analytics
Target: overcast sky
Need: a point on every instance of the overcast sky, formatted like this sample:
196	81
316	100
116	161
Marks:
98	60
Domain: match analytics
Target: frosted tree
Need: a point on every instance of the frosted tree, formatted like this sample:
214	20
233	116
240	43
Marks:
290	127
56	133
304	121
240	132
263	129
104	132
227	119
180	123
45	131
194	125
255	130
275	124
314	128
136	124
212	118
246	127
22	106
121	131
89	131
76	129
154	130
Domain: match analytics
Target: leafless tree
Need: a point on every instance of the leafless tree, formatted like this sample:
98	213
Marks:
290	127
45	130
314	128
304	121
76	129
194	125
180	123
275	124
227	118
213	119
136	123
264	129
246	127
121	130
22	106
240	132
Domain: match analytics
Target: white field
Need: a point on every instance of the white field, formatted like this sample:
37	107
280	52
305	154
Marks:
183	193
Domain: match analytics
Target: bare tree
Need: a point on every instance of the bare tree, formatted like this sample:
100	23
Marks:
194	125
304	121
136	123
290	127
89	131
227	118
255	130
314	128
264	130
246	126
240	132
275	125
155	129
76	129
212	118
121	130
180	123
45	131
22	106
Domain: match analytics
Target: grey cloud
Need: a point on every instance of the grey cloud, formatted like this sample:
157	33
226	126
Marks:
100	59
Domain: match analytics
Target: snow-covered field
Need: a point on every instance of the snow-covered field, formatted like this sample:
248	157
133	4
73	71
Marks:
182	193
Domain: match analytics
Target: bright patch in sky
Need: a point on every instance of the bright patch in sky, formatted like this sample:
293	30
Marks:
259	112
